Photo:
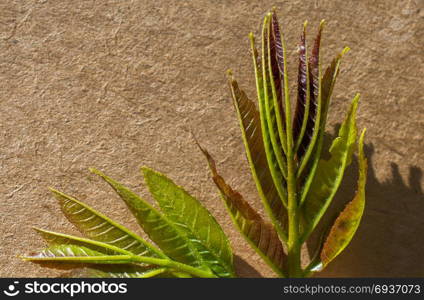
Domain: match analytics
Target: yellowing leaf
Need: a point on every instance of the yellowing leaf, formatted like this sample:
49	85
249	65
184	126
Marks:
348	221
330	172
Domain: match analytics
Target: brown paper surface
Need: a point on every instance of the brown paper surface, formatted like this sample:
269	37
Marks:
120	84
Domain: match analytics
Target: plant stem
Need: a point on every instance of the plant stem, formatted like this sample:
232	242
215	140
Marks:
175	265
293	238
293	216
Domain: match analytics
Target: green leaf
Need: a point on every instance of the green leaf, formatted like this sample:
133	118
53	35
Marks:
77	254
261	236
194	220
330	172
348	221
328	83
57	239
122	271
98	227
159	228
252	137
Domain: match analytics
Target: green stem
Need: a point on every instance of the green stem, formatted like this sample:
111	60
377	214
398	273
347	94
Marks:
119	259
175	265
293	238
293	244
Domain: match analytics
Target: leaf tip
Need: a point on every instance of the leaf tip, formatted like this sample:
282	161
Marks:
147	170
95	171
230	74
54	191
357	97
345	50
361	139
361	144
37	229
24	258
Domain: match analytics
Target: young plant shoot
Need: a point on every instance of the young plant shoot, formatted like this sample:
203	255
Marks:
295	183
188	242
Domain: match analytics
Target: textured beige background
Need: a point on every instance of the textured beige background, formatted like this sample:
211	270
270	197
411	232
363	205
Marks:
119	84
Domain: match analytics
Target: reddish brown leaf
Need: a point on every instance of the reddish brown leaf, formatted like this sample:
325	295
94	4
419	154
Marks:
260	234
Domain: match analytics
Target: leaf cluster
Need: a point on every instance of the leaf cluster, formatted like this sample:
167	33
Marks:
187	240
285	152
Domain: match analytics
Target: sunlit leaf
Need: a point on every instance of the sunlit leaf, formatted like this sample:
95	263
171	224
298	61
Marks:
57	239
259	234
301	115
194	220
330	172
252	137
98	227
159	228
313	118
122	271
273	87
77	254
347	222
280	75
328	82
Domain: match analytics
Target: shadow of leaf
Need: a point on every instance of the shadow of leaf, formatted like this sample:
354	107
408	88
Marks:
244	269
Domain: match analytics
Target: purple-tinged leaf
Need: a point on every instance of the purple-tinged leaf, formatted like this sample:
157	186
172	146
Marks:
259	234
277	63
302	110
250	125
312	119
273	85
328	83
